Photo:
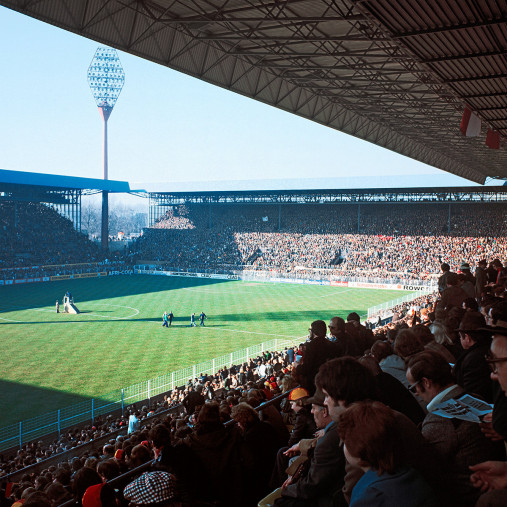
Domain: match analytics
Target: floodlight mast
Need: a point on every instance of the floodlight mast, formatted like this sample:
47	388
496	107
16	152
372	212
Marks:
106	79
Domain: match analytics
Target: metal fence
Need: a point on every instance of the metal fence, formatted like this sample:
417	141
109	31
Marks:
246	273
267	276
379	309
56	421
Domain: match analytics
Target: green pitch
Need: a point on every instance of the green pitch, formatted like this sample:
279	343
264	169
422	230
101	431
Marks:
53	360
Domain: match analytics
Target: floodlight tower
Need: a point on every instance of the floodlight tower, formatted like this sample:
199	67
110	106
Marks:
106	79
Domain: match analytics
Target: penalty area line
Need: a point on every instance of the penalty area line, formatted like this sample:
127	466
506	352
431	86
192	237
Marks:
51	310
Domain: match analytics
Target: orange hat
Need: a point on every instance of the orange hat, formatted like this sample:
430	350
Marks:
298	393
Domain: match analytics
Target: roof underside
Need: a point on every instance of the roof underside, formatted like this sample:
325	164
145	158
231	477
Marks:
397	73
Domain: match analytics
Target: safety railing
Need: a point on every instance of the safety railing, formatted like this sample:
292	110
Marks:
384	307
55	422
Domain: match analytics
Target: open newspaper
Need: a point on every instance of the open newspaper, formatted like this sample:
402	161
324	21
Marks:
466	408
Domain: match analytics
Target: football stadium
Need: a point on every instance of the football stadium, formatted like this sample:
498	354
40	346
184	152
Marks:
283	347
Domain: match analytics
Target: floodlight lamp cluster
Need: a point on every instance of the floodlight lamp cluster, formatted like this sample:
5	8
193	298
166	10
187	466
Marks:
106	77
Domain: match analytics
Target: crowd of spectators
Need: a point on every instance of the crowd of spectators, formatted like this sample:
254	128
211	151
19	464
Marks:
34	234
222	385
322	241
31	272
327	241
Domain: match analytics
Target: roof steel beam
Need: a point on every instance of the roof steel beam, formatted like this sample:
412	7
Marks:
462	26
476	78
450	58
287	38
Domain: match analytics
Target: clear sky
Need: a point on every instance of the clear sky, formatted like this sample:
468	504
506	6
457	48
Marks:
168	127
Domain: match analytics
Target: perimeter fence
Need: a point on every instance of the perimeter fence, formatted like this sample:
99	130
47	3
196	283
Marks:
55	422
383	307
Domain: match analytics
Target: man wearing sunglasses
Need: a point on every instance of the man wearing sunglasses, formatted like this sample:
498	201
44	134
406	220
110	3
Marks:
491	476
459	444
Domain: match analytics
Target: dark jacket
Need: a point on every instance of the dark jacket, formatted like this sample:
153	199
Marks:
304	426
459	444
325	476
395	395
317	352
473	373
192	400
258	450
481	280
363	337
453	297
347	345
442	281
217	456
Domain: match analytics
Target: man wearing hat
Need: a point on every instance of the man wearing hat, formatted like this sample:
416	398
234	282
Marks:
327	465
471	369
465	269
152	488
304	426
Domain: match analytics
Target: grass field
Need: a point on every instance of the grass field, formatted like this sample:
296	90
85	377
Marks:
53	360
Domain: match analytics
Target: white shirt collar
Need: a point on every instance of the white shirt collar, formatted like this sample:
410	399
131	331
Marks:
439	397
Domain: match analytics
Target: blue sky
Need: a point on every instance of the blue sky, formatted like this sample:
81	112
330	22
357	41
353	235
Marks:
168	127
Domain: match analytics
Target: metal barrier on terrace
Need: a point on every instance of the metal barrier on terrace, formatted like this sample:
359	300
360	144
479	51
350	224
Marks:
374	310
246	273
56	421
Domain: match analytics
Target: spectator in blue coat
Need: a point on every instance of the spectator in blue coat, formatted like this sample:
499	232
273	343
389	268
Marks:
369	433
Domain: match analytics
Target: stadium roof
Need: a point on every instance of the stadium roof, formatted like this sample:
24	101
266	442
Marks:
9	179
397	73
445	195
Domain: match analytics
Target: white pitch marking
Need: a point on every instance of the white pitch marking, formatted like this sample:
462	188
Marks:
11	320
87	314
115	318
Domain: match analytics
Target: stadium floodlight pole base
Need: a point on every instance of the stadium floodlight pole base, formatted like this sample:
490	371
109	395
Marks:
104	234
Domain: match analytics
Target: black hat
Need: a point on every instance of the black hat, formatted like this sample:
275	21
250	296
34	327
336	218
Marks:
316	399
494	330
471	321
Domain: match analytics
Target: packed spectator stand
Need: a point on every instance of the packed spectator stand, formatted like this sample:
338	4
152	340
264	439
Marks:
34	234
404	241
360	404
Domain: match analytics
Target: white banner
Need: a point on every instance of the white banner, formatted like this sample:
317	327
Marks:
185	274
388	286
121	272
